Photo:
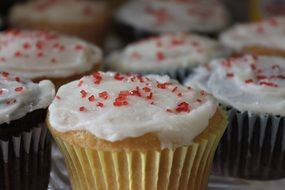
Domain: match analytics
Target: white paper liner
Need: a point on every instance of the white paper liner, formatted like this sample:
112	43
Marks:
253	147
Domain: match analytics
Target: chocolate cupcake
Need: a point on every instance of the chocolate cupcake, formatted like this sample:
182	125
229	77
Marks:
85	19
41	55
262	38
25	151
252	90
140	19
127	132
172	54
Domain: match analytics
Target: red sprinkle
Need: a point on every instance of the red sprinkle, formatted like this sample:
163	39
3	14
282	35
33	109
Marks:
19	89
104	95
80	83
9	102
230	75
91	98
26	45
150	96
57	97
100	104
160	56
118	76
253	66
174	89
83	93
79	47
83	109
146	89
18	54
5	74
268	84
97	77
162	85
248	81
183	107
136	55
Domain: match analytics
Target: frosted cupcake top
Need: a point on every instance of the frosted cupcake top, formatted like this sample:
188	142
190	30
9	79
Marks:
36	54
249	83
19	96
161	16
57	11
268	33
167	52
113	107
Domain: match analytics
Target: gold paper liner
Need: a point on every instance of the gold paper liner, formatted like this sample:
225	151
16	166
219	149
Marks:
183	168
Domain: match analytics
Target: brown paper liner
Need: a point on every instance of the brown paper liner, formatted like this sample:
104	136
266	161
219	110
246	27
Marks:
262	50
185	168
25	155
92	31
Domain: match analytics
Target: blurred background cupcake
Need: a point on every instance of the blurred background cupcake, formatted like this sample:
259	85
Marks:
172	54
41	55
251	88
125	131
137	18
263	38
85	19
25	153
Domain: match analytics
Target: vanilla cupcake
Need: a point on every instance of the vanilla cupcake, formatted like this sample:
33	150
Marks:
84	19
253	91
172	54
263	38
45	55
25	152
126	131
137	18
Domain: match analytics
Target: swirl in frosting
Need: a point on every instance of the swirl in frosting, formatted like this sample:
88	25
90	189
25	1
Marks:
19	96
113	107
167	52
37	54
248	83
173	16
268	33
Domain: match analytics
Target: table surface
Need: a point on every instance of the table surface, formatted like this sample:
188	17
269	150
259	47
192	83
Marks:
59	179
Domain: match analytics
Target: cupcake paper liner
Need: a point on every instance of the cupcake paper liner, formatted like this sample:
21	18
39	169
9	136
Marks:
25	159
185	168
253	147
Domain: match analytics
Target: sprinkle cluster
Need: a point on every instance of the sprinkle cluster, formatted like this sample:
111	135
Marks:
268	77
10	90
44	47
143	88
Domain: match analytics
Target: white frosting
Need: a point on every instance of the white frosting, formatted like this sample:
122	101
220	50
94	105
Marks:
145	108
58	11
174	16
35	54
268	33
167	52
247	83
20	96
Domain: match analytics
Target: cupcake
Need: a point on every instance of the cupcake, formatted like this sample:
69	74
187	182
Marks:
138	19
84	19
262	38
25	151
252	90
41	55
173	54
127	132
